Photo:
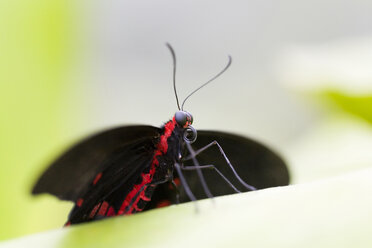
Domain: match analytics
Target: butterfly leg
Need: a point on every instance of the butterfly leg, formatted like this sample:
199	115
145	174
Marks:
193	154
184	182
199	167
199	171
175	186
211	166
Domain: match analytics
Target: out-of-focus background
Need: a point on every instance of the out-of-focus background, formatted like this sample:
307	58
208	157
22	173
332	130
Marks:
301	82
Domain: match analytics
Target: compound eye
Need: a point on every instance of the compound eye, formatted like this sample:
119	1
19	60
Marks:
183	118
189	117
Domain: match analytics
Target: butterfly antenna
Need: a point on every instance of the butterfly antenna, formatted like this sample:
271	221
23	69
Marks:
174	72
210	80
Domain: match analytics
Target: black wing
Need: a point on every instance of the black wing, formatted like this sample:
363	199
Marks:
256	164
122	169
69	175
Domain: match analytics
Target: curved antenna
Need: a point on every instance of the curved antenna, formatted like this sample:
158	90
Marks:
174	72
210	80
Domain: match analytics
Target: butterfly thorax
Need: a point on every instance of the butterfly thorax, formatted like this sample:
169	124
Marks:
168	150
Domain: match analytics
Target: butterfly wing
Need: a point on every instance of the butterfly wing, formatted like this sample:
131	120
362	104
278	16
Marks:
255	163
122	169
122	154
70	174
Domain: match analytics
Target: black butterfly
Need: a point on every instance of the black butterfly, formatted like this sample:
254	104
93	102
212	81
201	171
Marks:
130	169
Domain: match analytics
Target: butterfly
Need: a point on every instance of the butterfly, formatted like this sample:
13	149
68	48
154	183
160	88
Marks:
130	169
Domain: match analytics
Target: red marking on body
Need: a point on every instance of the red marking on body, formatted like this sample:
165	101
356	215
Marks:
138	190
96	179
103	209
68	223
79	202
137	208
145	198
177	181
163	203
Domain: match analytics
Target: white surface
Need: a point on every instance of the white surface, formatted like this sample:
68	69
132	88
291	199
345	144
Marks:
342	65
126	67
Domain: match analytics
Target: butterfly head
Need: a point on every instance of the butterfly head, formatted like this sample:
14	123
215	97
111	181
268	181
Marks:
184	119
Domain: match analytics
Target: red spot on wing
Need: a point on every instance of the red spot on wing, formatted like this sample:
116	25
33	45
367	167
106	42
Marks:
94	211
96	179
79	202
163	203
177	181
110	212
68	223
103	209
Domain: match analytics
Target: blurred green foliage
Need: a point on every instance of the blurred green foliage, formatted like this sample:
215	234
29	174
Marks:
34	48
357	105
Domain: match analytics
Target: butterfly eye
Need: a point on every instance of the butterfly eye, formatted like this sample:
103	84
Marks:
189	118
183	118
